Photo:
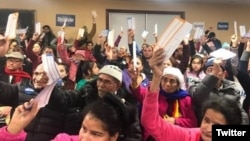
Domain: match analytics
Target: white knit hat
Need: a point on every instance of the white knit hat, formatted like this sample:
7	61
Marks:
177	73
113	71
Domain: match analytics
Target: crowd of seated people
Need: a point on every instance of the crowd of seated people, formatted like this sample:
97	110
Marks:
106	93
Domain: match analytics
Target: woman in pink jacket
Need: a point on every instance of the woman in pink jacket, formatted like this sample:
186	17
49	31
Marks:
104	120
219	111
175	104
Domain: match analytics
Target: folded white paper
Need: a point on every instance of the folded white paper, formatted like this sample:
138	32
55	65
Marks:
223	54
11	26
235	28
156	29
104	33
247	35
144	34
198	33
242	30
81	32
111	38
175	32
65	22
134	55
50	67
22	31
38	28
131	23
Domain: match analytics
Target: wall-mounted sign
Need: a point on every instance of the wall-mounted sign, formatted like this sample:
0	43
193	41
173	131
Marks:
222	26
200	25
68	20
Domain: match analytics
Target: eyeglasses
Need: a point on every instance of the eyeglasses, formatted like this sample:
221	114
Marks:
12	60
170	81
105	81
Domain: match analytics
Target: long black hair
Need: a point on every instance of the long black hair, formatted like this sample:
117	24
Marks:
227	107
115	115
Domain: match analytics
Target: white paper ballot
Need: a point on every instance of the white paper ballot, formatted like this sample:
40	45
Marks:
38	28
144	34
247	35
223	54
11	26
111	38
198	33
94	14
22	31
242	30
156	29
175	32
50	67
131	23
65	22
187	36
104	32
121	29
81	32
235	28
134	55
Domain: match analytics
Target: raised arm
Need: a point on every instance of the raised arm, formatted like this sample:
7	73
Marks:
200	91
4	45
62	52
152	122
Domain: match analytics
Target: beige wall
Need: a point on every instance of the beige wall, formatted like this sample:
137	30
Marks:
210	14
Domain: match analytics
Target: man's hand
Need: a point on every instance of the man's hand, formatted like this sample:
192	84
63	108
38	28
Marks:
234	40
4	45
156	62
22	116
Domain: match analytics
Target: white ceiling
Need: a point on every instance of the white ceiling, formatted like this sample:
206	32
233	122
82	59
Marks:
204	1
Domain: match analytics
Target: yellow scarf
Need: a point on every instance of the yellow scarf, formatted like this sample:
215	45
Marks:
176	112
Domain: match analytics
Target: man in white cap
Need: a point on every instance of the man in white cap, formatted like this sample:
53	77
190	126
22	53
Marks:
110	81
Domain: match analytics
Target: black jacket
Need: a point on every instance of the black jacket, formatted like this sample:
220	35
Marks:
50	119
62	113
201	91
134	132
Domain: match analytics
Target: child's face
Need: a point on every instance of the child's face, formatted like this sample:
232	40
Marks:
196	65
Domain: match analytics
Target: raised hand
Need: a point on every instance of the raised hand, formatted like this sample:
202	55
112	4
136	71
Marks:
131	35
108	52
157	66
4	45
217	70
234	40
22	116
35	36
156	62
